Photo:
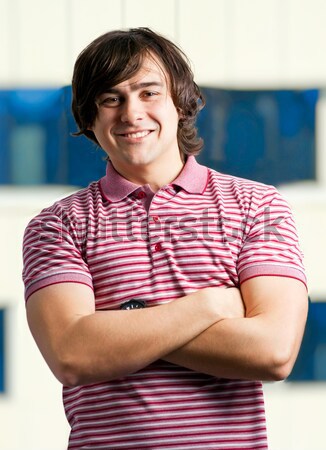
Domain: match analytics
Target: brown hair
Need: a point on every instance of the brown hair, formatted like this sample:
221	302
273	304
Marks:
115	57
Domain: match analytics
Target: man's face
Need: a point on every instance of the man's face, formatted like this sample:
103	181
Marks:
136	123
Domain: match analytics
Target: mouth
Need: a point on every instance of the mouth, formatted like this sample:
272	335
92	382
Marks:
136	134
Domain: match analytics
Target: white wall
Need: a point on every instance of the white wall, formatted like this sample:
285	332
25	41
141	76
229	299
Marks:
231	43
295	414
31	411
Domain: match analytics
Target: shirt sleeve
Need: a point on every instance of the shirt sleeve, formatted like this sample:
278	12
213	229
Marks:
271	245
52	253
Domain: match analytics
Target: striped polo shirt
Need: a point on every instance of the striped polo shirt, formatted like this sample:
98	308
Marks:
126	242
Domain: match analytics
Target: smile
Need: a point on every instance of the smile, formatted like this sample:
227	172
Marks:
138	134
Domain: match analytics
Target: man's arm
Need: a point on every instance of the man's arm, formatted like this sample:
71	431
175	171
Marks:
263	345
82	346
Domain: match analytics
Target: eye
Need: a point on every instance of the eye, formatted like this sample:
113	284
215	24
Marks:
150	94
110	101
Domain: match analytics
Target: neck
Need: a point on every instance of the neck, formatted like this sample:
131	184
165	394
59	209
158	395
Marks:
156	176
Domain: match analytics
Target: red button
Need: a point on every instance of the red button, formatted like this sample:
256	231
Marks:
158	247
156	218
141	194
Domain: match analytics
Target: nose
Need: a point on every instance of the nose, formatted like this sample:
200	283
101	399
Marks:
132	110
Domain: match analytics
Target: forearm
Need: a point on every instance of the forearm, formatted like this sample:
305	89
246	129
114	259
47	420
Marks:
112	344
263	345
232	348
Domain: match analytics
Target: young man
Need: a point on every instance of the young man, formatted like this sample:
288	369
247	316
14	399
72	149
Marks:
160	294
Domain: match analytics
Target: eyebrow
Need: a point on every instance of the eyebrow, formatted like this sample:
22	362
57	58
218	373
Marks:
136	86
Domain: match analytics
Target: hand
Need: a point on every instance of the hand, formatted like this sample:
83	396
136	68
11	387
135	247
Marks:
236	306
226	302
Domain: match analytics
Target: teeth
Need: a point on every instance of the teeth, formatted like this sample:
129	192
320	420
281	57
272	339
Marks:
140	134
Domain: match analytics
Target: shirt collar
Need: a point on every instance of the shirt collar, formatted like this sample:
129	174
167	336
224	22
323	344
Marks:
193	179
114	186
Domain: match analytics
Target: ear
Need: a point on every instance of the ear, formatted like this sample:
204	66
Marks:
180	114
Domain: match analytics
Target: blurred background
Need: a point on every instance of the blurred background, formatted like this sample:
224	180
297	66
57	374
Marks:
262	67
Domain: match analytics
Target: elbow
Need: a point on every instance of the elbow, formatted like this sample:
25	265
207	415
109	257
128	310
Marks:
73	371
68	375
70	369
280	366
280	372
70	379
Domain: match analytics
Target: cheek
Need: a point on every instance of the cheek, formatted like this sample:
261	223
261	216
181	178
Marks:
171	115
102	127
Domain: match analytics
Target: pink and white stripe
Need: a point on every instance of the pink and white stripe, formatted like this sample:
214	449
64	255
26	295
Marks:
205	229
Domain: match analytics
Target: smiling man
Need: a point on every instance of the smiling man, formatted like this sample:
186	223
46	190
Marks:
162	294
137	126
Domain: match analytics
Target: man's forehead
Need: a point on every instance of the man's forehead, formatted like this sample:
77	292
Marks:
150	72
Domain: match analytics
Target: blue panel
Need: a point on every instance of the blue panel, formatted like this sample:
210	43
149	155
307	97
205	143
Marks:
43	107
28	154
2	350
35	105
86	161
28	109
311	361
268	136
5	119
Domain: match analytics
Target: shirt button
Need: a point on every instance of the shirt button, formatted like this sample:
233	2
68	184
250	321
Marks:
141	194
155	218
158	247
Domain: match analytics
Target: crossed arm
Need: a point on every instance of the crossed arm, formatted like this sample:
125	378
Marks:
207	331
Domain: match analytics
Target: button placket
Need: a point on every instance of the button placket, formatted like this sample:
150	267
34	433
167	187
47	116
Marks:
158	247
155	231
156	223
140	195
